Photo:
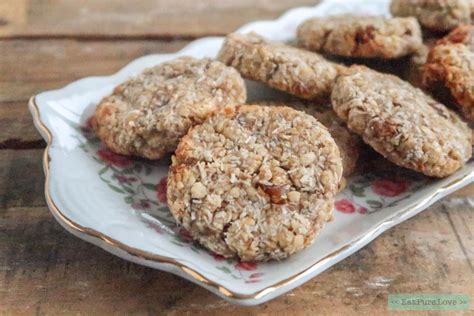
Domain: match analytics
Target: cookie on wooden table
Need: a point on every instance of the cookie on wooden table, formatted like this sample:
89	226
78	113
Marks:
435	15
147	115
298	72
361	36
450	65
402	123
257	182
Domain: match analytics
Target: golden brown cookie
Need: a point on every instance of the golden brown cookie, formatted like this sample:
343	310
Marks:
148	114
361	36
350	144
402	123
450	65
255	182
298	72
436	15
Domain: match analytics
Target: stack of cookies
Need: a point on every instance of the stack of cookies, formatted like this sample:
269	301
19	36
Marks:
258	181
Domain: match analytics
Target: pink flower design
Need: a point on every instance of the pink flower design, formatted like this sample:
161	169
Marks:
362	210
390	188
155	227
246	266
112	158
141	205
252	281
345	206
124	179
87	127
185	235
256	275
217	257
161	190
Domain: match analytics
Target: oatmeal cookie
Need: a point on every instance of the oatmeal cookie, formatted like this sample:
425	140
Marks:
361	36
435	15
350	144
298	72
399	121
148	114
450	65
255	182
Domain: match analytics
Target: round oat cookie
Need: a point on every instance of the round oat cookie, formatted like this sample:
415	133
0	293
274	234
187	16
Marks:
399	121
450	65
301	73
148	114
349	144
361	36
435	15
255	182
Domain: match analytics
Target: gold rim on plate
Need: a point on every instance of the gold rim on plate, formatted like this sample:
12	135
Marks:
192	273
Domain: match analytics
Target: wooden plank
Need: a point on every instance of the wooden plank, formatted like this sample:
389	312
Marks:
16	127
44	270
49	64
140	18
21	178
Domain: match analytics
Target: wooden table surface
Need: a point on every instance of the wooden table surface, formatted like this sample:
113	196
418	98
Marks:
44	270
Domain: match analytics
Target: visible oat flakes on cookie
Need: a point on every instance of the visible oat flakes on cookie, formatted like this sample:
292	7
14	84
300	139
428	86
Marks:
436	15
450	65
255	182
148	114
402	123
361	36
350	144
301	73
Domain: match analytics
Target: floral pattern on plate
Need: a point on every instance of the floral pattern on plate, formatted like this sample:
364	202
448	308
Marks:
119	204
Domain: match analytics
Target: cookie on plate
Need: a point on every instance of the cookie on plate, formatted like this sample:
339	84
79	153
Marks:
147	115
361	36
402	123
298	72
255	182
412	69
350	144
450	65
435	15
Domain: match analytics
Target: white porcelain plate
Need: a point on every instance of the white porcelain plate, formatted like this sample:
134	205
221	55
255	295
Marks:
119	204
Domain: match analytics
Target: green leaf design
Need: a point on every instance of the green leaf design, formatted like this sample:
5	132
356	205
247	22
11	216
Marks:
147	170
177	243
116	189
127	171
375	204
103	170
357	191
138	167
164	210
150	186
224	269
129	190
128	199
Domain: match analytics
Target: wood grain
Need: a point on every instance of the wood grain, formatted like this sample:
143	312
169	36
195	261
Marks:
140	18
21	178
47	271
49	64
